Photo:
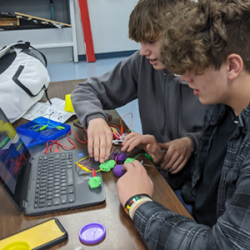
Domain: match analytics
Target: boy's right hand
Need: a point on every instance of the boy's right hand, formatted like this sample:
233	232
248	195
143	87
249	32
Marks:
99	139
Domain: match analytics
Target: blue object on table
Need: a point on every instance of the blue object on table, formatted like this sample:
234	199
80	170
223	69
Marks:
31	135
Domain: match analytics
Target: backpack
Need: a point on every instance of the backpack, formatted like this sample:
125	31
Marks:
23	78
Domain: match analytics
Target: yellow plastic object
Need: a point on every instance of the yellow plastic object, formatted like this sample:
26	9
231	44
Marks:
9	129
17	245
35	236
68	104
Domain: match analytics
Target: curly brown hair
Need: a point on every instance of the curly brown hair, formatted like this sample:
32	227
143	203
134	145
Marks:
201	35
146	22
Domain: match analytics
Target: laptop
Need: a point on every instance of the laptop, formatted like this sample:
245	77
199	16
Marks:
45	183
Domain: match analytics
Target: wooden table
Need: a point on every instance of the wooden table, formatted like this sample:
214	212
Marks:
121	233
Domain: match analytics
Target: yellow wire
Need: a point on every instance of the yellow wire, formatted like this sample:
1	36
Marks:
82	159
86	169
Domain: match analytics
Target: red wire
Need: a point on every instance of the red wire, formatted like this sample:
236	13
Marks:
49	146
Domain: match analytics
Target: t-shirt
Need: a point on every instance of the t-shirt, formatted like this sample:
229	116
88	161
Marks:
207	187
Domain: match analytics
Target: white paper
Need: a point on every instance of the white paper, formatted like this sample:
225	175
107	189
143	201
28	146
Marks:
53	112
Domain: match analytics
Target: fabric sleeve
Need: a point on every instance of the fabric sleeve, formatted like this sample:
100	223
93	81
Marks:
108	91
162	229
194	137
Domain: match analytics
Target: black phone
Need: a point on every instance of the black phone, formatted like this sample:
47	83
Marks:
40	237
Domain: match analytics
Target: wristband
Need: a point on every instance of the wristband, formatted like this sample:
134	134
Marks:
132	200
135	205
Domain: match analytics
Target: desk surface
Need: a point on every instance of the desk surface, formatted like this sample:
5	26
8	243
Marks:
121	233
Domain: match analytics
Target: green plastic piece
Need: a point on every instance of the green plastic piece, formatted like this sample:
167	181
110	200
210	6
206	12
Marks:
60	127
95	182
43	127
129	160
149	157
107	165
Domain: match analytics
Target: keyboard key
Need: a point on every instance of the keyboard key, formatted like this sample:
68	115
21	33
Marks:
70	177
56	201
63	199
48	203
71	198
70	189
41	205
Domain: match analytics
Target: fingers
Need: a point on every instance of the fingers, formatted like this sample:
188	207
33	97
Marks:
179	168
155	152
135	139
130	144
131	141
99	139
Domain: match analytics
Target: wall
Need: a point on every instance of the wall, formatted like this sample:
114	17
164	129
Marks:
109	24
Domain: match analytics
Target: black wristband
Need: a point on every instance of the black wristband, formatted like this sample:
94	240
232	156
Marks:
133	199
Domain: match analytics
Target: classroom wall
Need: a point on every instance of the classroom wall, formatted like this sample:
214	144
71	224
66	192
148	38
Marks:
109	24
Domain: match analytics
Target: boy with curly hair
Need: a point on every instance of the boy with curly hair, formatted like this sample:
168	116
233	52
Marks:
207	43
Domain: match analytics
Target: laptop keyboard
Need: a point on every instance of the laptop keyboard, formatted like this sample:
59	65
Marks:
55	180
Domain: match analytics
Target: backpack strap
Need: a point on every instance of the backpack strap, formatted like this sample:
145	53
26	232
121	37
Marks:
26	45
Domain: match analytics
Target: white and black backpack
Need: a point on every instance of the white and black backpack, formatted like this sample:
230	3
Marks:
23	78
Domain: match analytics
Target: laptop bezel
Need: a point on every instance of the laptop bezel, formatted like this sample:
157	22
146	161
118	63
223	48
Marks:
24	167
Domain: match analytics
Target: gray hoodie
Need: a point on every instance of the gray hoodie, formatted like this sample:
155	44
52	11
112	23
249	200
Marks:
168	109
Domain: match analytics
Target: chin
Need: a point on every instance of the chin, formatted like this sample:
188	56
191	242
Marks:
159	67
206	102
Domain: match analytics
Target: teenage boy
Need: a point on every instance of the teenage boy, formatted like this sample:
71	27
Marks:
143	76
207	43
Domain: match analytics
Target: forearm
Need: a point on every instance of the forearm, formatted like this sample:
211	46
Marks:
162	229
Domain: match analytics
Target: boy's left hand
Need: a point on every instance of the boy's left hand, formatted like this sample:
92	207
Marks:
177	155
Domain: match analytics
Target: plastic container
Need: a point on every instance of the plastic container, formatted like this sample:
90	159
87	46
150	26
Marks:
31	135
18	245
92	233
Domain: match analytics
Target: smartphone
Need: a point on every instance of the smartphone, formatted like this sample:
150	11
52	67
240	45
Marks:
40	237
79	125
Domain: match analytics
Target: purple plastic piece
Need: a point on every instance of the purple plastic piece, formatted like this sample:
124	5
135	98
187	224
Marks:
121	157
118	171
92	233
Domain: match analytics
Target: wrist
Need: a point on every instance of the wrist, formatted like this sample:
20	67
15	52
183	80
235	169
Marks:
191	143
134	202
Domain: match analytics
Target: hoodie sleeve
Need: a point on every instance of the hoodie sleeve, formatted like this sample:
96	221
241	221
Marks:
108	91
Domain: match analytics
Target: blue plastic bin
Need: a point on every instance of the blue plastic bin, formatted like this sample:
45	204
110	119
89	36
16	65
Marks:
32	138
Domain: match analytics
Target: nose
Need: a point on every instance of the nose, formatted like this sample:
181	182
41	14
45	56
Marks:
186	77
144	51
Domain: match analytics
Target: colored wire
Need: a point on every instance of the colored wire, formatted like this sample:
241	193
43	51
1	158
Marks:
43	125
50	143
130	123
86	168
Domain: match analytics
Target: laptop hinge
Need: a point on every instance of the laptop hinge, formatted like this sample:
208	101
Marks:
28	182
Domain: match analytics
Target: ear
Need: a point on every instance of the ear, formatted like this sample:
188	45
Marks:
235	66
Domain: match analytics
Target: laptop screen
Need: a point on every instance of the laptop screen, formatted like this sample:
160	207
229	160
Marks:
14	158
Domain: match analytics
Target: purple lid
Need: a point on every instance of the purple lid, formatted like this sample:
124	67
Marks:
92	233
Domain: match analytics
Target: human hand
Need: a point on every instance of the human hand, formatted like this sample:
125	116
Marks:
134	181
99	139
177	155
147	142
136	139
